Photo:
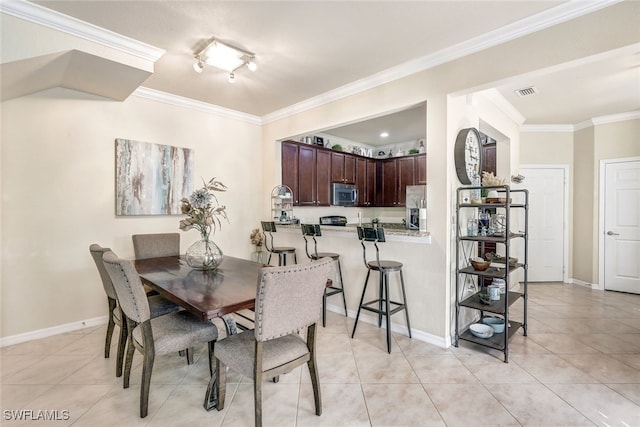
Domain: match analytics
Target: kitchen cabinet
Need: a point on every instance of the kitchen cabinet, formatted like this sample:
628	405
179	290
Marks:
395	175
465	272
343	168
489	160
366	181
307	171
421	168
310	170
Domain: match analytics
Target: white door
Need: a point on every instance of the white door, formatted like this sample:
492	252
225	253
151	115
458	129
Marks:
546	223
622	226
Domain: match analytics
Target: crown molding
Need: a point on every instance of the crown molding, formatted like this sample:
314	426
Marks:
49	18
613	118
622	117
546	128
556	15
179	101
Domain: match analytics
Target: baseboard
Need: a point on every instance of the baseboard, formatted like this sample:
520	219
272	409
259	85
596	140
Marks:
579	282
55	330
399	328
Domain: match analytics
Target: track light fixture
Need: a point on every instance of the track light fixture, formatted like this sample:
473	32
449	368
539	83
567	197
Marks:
224	56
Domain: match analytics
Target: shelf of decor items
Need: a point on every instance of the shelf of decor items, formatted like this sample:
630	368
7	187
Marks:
501	307
282	204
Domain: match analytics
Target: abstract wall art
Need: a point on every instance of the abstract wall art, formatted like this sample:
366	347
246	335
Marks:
151	179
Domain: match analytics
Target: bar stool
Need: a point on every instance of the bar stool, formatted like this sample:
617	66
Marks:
312	231
269	227
370	235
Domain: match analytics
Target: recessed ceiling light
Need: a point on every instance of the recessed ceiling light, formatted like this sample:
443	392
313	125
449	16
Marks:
384	134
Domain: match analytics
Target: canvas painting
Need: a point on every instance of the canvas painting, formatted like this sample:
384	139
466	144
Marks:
151	179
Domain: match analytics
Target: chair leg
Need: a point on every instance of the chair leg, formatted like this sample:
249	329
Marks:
355	324
189	352
129	359
313	369
147	369
110	325
269	260
211	347
122	343
404	301
380	296
344	300
295	257
282	258
221	384
324	309
388	310
257	384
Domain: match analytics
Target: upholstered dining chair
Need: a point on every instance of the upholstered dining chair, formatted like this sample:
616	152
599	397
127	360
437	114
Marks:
156	245
288	299
152	336
158	306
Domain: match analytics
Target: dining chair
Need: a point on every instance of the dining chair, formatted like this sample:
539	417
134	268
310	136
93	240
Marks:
268	228
156	245
382	305
152	336
287	300
158	306
311	232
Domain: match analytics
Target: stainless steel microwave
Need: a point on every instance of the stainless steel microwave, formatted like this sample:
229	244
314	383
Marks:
344	195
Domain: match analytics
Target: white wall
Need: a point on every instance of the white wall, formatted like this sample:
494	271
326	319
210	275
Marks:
58	195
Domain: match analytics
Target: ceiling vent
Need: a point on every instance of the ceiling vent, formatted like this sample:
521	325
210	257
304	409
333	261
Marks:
526	91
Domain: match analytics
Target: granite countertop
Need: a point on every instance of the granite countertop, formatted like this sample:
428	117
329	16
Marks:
395	231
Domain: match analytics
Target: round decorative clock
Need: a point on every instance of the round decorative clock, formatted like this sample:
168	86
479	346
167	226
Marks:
468	155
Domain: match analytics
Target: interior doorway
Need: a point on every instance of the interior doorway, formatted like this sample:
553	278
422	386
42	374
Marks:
620	225
547	185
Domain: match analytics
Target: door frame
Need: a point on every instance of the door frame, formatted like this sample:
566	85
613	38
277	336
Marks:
601	207
565	219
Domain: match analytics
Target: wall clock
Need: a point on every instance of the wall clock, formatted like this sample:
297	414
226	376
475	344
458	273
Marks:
468	155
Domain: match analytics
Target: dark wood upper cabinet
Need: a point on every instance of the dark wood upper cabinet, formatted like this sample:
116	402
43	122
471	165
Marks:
406	176
388	179
309	171
290	168
307	180
489	160
343	168
323	178
421	168
366	181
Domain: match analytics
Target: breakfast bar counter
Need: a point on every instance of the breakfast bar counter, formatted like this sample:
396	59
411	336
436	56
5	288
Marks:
412	248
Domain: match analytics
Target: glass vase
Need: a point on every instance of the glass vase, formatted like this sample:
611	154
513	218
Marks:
204	255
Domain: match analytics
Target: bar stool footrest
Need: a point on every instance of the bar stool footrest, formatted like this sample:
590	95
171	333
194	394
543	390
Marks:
399	307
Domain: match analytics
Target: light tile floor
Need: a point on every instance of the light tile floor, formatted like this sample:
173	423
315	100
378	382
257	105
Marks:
579	366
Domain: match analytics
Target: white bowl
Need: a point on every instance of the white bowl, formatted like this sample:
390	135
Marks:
481	331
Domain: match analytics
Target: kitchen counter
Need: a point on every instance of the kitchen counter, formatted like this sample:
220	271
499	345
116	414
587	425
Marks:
392	232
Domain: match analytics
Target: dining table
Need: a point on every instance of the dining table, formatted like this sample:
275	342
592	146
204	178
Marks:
206	294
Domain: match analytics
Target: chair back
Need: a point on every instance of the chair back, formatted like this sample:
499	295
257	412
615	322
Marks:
289	298
97	252
311	231
370	235
132	298
156	245
268	227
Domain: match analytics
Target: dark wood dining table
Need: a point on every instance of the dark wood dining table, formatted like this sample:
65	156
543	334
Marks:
205	294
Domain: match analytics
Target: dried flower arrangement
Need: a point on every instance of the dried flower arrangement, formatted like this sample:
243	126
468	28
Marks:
489	179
